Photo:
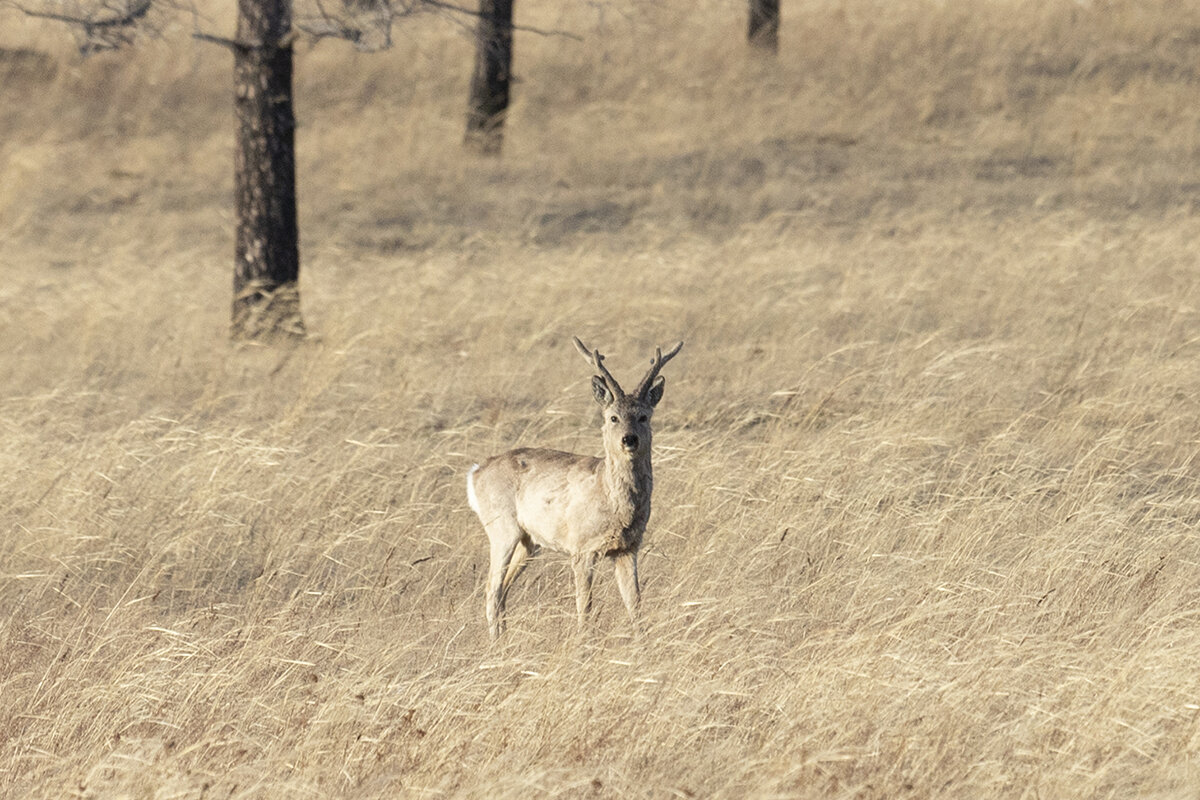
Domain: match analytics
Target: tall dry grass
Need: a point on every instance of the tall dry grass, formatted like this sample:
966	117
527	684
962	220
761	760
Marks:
927	503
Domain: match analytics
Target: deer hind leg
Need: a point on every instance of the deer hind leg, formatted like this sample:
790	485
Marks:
521	552
625	566
583	566
505	535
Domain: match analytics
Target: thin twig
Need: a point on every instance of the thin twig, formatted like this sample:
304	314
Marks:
221	40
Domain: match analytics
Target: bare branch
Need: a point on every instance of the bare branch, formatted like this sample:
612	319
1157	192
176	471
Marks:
367	24
234	44
130	17
107	28
457	9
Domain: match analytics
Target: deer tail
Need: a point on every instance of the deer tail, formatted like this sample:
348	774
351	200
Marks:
472	501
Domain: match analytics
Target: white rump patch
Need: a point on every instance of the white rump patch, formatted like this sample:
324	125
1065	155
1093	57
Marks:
472	501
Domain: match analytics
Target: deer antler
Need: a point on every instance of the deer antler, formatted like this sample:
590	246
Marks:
594	358
656	364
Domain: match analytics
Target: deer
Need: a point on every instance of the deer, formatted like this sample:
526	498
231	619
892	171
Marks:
585	506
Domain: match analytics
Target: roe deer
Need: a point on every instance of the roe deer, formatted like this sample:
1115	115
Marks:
584	506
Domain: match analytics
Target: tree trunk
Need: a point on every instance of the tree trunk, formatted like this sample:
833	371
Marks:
266	298
489	82
764	25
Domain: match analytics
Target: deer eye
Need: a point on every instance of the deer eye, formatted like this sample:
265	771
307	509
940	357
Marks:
642	418
612	419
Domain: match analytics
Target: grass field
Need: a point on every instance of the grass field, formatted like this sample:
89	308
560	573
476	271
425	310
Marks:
927	503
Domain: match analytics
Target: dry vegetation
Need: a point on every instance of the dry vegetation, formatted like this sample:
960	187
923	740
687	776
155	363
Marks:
926	518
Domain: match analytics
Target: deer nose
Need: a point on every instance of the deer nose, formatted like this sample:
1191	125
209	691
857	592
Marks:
629	441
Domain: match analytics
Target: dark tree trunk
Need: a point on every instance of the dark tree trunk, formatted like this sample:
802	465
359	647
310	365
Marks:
266	298
764	25
489	82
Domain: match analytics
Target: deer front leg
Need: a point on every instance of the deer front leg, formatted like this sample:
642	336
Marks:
625	565
583	565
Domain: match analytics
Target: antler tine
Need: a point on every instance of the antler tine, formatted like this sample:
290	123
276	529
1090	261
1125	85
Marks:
597	360
656	364
583	349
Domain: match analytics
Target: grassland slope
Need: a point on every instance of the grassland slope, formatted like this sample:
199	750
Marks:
926	503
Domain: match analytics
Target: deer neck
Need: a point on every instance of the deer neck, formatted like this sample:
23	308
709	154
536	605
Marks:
628	483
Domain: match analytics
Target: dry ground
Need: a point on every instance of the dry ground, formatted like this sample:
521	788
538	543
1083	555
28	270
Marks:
927	503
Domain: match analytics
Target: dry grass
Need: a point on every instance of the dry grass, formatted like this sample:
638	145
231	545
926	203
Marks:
926	521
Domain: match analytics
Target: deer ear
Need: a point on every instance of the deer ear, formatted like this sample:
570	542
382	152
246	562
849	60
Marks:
656	391
600	391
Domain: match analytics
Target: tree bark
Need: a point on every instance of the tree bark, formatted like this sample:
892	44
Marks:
266	298
764	25
490	80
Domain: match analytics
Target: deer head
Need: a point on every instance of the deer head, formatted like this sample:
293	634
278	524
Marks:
626	426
